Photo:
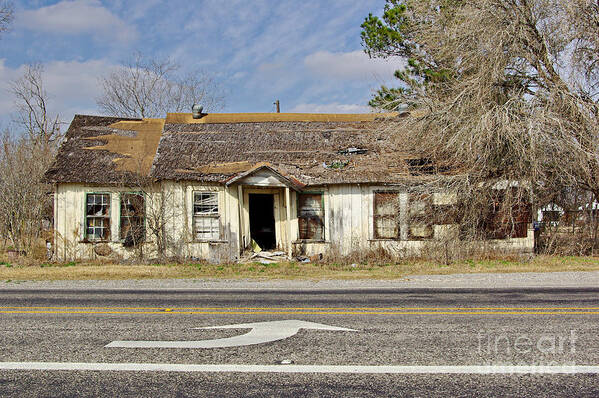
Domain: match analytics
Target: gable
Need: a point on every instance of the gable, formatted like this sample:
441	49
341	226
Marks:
265	176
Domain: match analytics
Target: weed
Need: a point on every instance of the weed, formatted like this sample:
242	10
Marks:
376	269
273	265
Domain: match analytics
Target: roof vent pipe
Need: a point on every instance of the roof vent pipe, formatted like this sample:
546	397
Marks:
196	111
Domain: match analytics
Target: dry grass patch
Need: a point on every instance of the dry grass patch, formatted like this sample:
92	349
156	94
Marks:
289	270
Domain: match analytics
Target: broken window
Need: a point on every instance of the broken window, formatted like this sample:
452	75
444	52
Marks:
206	220
310	216
386	215
97	216
132	224
421	216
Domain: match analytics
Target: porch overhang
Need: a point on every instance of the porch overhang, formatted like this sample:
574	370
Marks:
265	175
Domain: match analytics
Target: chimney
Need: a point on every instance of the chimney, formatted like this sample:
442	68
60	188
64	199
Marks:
278	105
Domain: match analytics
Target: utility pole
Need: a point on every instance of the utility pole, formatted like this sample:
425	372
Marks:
278	105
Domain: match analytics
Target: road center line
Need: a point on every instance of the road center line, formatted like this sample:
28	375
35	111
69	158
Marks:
301	308
361	369
271	312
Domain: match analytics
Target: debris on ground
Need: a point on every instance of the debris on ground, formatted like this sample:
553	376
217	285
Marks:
255	247
272	257
265	257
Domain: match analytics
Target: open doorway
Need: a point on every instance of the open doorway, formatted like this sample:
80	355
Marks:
262	220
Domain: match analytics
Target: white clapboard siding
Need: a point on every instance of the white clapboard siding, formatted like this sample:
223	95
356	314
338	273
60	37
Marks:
348	224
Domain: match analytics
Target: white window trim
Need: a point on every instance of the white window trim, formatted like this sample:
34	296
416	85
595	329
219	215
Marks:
87	237
216	215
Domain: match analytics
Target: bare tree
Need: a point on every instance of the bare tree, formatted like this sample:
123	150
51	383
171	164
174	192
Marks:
502	90
583	29
34	117
6	15
151	88
25	155
24	200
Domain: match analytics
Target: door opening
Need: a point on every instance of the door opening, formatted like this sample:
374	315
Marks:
262	220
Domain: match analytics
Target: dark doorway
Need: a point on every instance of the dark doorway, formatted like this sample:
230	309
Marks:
262	220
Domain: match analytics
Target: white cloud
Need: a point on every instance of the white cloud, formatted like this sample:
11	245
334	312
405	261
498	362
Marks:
77	17
354	65
330	108
239	75
72	86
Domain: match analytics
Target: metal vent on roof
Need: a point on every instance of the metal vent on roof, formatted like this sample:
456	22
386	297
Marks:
196	111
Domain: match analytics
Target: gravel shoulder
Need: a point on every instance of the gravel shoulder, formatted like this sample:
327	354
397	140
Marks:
578	279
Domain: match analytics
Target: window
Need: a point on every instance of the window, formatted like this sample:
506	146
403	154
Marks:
310	216
97	216
505	221
132	218
206	222
386	215
421	216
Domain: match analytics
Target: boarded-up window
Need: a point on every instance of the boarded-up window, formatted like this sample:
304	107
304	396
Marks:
97	216
445	214
386	215
206	222
421	216
310	216
506	221
132	223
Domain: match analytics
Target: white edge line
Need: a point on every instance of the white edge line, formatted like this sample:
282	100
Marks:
356	369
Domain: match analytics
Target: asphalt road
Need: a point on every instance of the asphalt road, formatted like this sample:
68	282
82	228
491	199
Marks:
430	330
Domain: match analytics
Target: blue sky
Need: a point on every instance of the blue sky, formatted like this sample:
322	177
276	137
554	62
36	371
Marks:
305	53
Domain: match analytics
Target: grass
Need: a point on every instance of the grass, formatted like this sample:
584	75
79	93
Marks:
288	270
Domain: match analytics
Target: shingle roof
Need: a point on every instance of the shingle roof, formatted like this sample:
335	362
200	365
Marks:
312	149
312	152
74	163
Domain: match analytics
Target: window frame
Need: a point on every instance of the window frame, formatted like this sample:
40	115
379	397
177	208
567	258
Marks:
498	228
427	199
86	236
210	216
375	216
297	211
144	217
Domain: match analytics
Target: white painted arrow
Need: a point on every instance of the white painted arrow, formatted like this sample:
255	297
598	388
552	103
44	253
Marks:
262	332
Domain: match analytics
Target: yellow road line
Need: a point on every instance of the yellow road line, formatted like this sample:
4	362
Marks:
313	312
308	308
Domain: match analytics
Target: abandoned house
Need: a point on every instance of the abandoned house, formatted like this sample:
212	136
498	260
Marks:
212	186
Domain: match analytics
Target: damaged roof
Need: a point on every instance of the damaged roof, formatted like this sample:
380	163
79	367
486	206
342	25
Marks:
106	150
309	149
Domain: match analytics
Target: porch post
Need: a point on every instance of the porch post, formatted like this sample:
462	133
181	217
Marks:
241	221
288	223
